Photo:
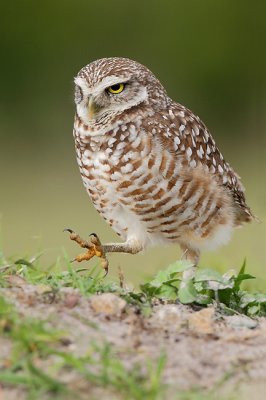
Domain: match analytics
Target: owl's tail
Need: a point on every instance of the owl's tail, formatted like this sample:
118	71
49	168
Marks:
245	215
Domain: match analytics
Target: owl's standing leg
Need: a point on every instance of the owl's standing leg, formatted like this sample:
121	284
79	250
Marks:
131	247
95	248
193	256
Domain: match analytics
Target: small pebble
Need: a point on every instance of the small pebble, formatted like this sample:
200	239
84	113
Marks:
107	303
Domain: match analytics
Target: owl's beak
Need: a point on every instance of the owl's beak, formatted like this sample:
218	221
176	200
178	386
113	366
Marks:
92	108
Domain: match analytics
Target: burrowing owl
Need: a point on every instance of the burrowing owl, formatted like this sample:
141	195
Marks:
150	166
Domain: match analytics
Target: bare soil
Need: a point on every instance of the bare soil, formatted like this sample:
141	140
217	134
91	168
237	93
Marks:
203	348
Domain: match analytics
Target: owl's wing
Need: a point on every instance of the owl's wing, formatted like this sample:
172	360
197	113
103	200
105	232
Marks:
189	138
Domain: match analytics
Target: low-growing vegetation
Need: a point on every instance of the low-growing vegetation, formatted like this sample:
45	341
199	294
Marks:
207	287
34	340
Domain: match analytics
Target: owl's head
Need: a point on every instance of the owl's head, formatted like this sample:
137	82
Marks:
108	87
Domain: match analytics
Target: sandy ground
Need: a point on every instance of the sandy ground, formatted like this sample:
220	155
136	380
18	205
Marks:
203	349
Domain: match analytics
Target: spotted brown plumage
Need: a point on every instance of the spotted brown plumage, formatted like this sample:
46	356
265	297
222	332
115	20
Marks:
150	166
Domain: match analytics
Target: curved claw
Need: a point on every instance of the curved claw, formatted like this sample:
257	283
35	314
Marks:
106	273
105	265
68	230
95	239
93	234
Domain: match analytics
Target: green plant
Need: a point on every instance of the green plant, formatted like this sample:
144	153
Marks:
206	287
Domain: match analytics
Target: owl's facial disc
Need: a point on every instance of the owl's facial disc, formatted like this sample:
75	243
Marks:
110	97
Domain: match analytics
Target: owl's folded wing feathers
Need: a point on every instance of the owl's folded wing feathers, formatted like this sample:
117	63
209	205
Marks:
192	140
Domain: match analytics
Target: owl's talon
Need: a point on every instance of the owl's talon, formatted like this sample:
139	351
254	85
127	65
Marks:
105	265
94	248
95	240
68	230
74	236
106	272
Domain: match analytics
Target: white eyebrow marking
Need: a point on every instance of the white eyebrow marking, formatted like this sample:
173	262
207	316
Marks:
98	88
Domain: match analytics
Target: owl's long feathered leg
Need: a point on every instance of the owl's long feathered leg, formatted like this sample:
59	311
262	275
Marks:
95	248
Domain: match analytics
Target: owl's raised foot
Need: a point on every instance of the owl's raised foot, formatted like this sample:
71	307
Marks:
93	246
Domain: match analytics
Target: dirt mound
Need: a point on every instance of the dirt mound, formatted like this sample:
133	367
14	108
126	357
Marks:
201	348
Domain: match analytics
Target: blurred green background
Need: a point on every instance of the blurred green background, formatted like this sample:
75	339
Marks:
210	55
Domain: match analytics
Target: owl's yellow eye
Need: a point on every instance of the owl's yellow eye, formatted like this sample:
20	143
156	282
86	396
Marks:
117	88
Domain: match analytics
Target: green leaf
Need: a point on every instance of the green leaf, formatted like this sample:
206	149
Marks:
243	268
12	378
241	278
213	280
45	379
246	299
179	266
187	292
173	281
167	292
253	310
238	279
199	286
260	297
148	290
214	285
208	274
21	261
169	273
245	276
203	299
225	295
160	278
